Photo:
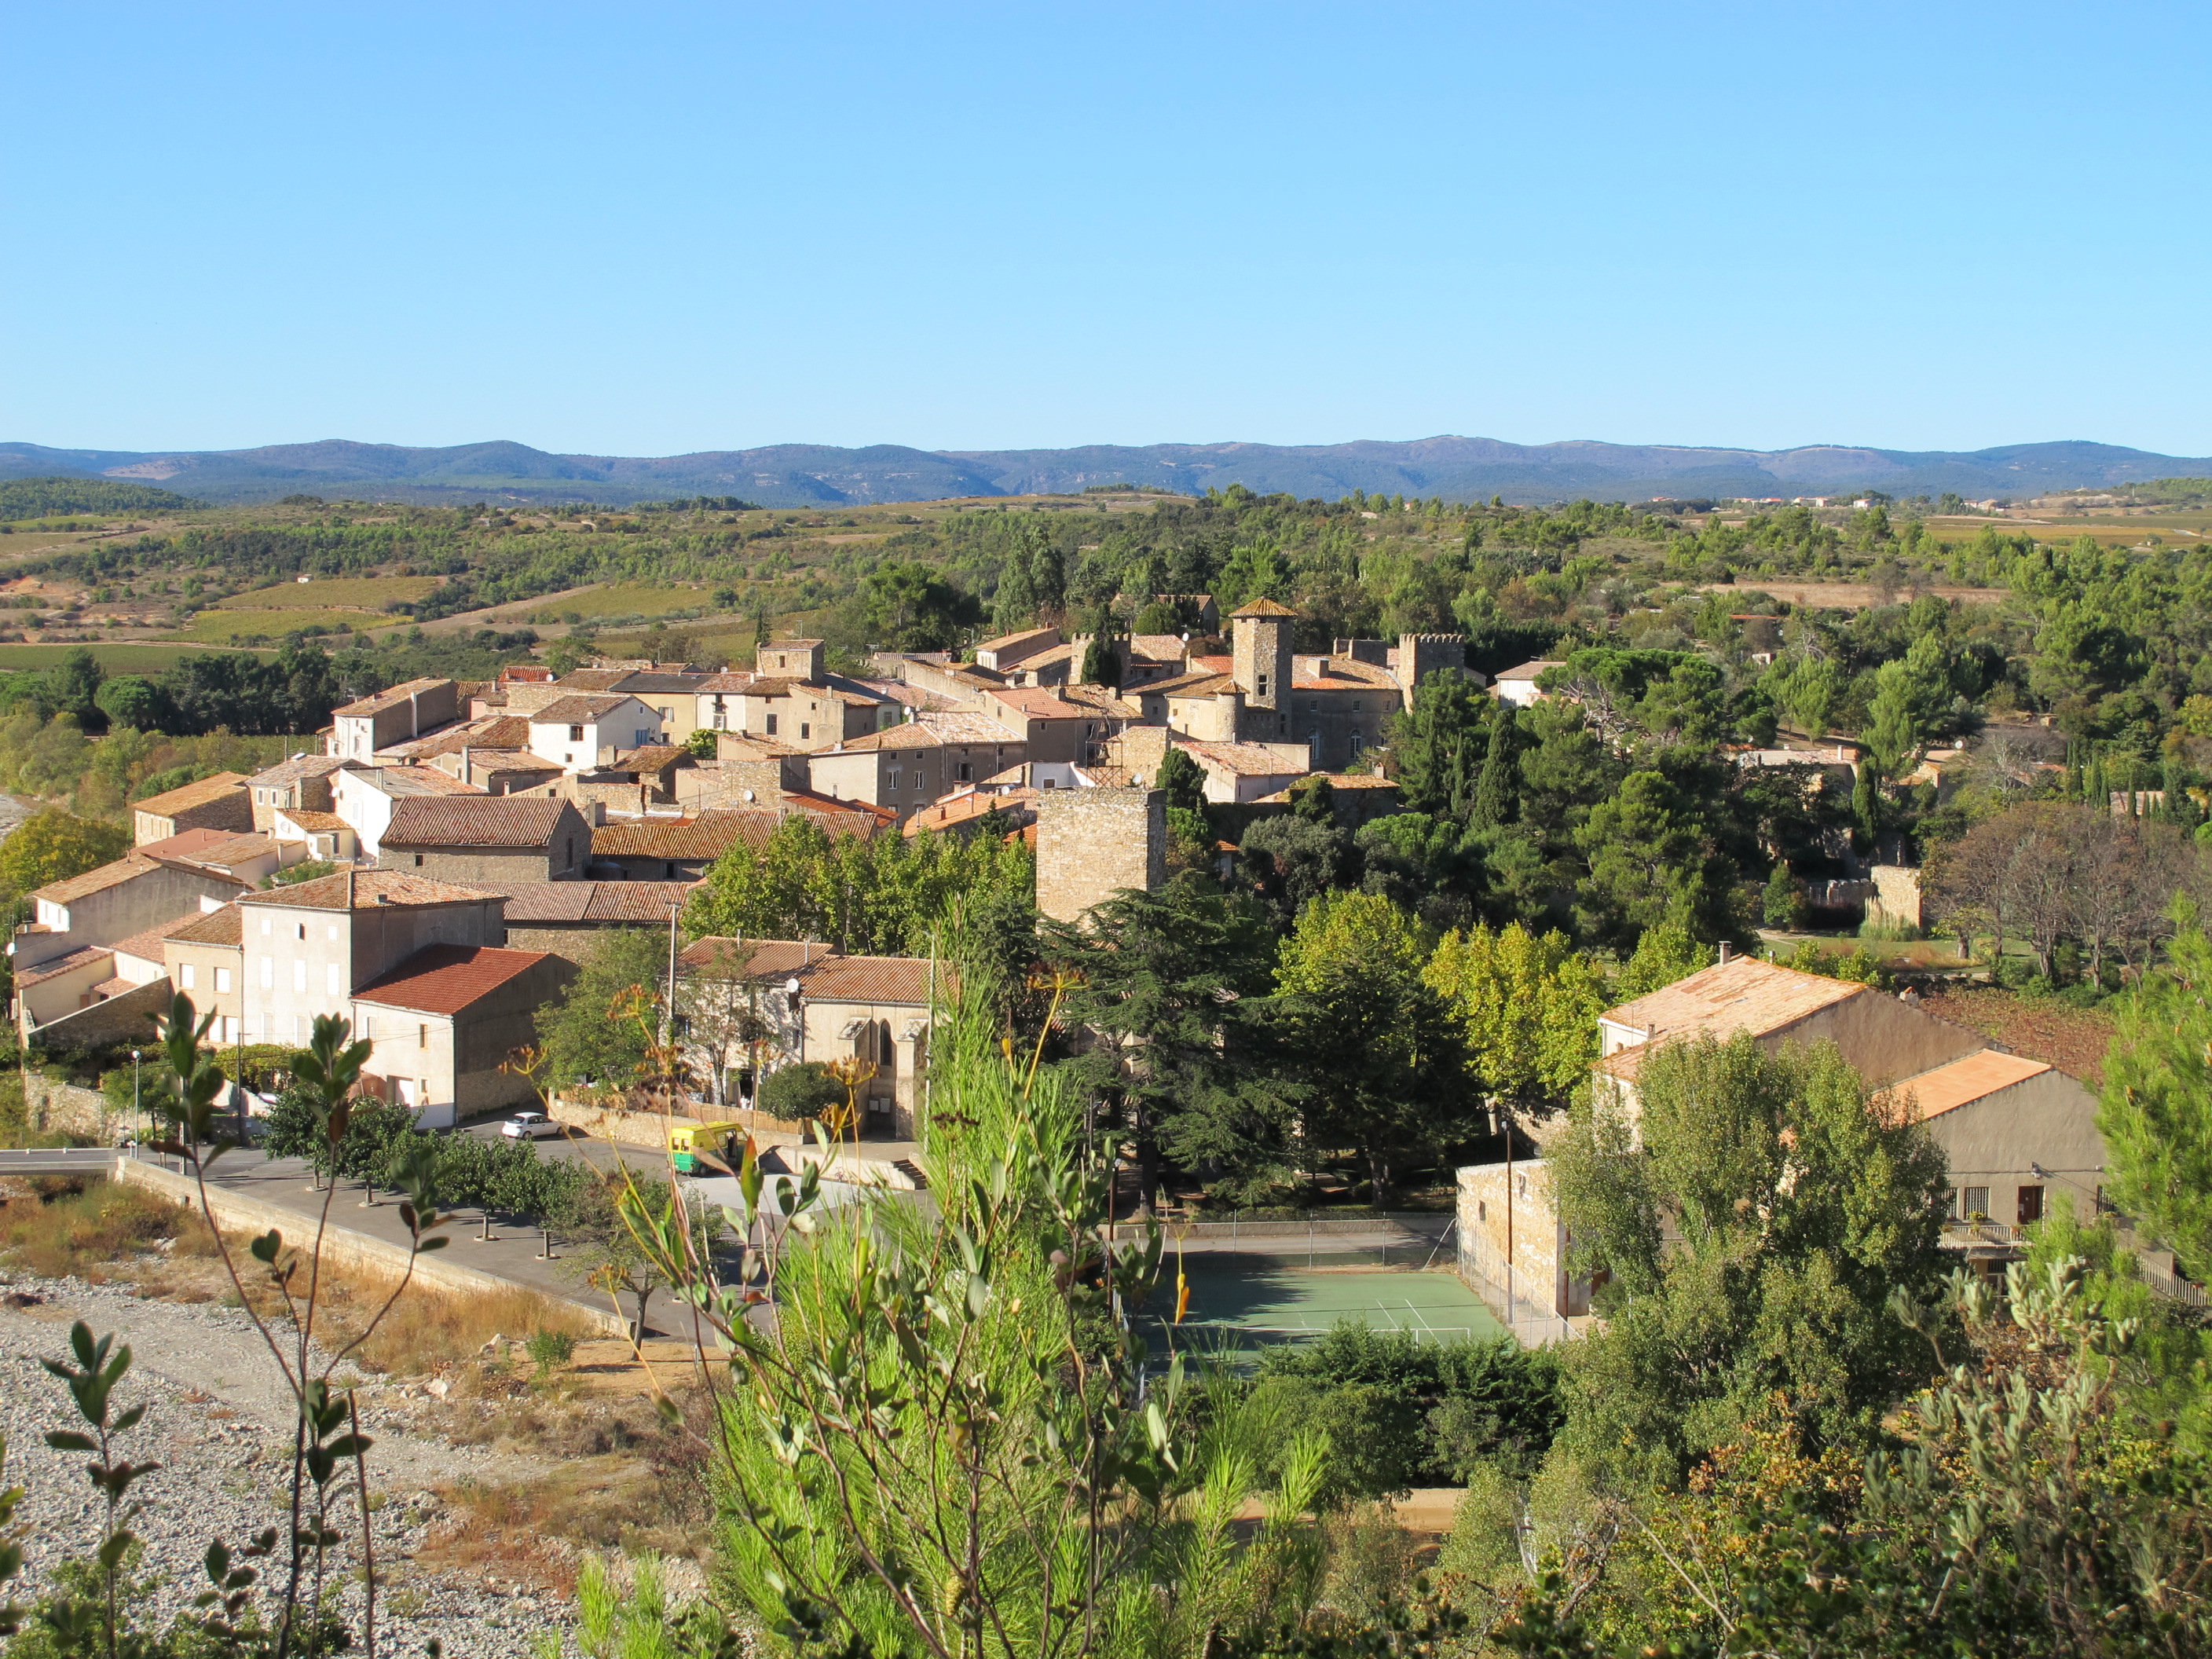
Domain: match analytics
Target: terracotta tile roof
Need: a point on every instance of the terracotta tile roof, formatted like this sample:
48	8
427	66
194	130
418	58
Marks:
475	820
576	711
1018	805
131	866
444	978
1263	608
147	945
495	732
364	890
1159	647
378	702
1205	682
1527	671
650	757
1041	703
1248	760
115	988
185	844
1343	675
315	823
191	794
288	772
839	818
400	781
588	901
708	835
238	849
728	681
223	927
747	745
933	732
90	955
823	974
1742	994
1964	1081
1336	780
1017	638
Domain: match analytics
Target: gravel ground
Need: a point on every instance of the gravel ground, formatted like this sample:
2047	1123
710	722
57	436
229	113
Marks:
220	1425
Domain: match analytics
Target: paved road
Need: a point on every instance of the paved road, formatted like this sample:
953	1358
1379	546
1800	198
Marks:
57	1160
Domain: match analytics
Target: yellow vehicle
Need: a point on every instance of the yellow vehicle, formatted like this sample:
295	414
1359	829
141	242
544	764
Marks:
687	1140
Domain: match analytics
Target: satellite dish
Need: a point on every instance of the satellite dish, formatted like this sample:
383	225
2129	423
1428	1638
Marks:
749	794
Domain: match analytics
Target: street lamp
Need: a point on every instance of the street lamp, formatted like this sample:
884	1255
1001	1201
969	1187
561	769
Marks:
137	1099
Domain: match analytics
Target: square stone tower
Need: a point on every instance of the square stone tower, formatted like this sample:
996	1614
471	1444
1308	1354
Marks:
1261	649
1091	843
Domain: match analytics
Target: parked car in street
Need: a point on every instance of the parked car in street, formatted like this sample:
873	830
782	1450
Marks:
529	1126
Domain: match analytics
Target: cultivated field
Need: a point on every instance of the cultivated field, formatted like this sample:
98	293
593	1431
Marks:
349	593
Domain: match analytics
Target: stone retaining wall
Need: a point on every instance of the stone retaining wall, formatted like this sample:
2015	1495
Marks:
71	1110
341	1246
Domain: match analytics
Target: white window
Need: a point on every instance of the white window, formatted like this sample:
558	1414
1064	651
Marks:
230	1028
268	973
184	977
575	734
300	975
334	930
331	985
302	929
264	927
221	981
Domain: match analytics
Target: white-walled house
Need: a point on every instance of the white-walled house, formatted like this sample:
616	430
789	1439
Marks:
581	731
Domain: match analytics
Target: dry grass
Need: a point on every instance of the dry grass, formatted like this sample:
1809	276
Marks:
65	1226
620	1477
345	593
425	1330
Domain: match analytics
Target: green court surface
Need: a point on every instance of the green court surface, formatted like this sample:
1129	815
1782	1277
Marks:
1240	1304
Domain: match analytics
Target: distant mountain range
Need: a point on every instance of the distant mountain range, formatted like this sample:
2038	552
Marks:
814	475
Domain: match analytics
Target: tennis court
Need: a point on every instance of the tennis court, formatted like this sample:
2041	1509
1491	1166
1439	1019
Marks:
1240	1304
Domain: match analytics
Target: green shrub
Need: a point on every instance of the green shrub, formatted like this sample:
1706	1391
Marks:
803	1091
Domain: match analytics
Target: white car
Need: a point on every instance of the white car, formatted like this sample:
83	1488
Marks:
529	1126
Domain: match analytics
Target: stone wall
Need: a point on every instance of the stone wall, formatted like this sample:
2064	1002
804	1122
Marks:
342	1247
1895	900
65	1109
1092	842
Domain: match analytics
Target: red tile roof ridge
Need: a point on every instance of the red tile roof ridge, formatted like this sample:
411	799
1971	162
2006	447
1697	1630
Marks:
445	978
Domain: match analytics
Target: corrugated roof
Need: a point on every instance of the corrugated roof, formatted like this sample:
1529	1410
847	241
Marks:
474	821
192	794
1964	1081
444	978
577	711
391	699
365	890
1742	994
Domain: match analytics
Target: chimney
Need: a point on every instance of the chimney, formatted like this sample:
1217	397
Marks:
1724	950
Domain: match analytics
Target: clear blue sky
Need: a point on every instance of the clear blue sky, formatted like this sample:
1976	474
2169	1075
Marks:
644	229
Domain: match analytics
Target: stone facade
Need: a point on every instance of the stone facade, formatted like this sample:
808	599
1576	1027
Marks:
1091	843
